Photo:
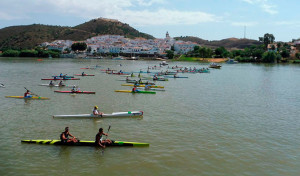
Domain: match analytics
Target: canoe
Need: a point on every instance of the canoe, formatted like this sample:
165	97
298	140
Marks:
152	86
33	98
114	114
87	143
83	75
129	91
176	77
60	79
77	92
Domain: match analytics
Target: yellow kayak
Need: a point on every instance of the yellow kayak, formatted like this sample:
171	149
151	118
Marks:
152	86
35	98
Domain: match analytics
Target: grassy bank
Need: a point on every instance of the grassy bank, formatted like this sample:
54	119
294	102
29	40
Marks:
183	58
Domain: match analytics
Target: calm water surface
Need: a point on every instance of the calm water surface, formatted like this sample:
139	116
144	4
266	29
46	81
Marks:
240	120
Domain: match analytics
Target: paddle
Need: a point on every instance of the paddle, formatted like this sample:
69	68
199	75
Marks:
106	138
31	92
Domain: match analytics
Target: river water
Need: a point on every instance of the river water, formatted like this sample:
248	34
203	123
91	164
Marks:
240	120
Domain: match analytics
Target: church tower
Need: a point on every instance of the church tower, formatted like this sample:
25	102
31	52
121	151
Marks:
167	35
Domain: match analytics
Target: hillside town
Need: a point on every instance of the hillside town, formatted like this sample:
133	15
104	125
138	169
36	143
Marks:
117	44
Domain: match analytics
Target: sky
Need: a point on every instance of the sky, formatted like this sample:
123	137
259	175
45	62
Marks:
207	19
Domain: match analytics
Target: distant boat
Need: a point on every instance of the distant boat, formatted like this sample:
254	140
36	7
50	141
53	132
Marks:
163	63
232	61
118	58
214	65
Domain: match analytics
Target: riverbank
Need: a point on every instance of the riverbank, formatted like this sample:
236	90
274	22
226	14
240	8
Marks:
217	60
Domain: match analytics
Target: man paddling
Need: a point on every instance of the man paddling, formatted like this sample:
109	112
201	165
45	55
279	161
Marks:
64	136
27	94
99	139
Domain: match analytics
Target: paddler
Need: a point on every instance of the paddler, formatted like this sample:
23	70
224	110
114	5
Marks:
60	84
175	75
74	89
51	83
60	75
82	74
27	94
155	77
134	89
140	81
64	136
96	112
99	139
132	75
147	86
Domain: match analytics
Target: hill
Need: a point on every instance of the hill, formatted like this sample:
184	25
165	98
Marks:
230	43
29	36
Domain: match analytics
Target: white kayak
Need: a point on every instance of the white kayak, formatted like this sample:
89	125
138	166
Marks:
114	114
57	85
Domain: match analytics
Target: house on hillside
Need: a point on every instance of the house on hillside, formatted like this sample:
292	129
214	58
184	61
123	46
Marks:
272	47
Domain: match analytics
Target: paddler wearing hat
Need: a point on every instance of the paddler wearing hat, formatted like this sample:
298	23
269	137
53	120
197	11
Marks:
96	111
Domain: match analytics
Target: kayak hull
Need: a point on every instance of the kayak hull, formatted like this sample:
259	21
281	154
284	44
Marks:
60	79
129	91
152	86
56	85
87	143
114	114
30	98
83	75
77	92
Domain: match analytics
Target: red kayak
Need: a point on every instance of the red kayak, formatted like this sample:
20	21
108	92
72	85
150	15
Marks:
83	75
61	79
77	92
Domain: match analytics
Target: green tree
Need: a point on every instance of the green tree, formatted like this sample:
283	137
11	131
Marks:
285	53
81	46
221	52
269	57
196	48
267	39
170	54
297	55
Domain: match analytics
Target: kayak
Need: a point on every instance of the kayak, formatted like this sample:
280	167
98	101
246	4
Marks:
56	85
160	79
63	76
80	92
133	81
129	91
152	89
87	143
119	73
61	79
34	98
176	77
152	86
114	114
83	75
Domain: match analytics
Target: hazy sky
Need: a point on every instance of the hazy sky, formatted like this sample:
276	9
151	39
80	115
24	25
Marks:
207	19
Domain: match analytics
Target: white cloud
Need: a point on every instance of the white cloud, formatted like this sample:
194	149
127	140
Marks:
129	11
244	23
265	5
288	23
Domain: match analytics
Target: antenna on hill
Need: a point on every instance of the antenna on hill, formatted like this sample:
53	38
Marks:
244	32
